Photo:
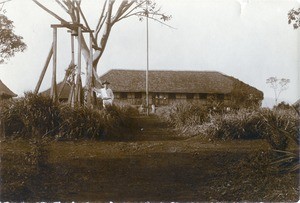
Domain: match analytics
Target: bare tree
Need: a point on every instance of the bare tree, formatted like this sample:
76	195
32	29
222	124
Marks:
110	14
278	85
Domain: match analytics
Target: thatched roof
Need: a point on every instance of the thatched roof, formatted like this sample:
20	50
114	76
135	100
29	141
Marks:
174	82
244	90
65	91
171	82
5	92
168	81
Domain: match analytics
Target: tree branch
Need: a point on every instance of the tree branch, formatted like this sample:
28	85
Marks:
50	12
3	2
101	20
106	33
122	9
138	5
102	23
61	5
141	14
86	23
161	22
72	12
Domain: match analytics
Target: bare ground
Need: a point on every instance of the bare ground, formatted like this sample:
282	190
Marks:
152	164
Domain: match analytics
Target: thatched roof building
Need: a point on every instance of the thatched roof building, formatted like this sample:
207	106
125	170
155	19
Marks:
166	87
65	91
174	82
5	92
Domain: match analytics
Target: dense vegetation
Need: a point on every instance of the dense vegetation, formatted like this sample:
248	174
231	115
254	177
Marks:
30	163
37	115
279	126
245	123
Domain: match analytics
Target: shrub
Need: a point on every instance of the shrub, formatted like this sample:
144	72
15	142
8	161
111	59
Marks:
33	114
83	122
41	115
287	158
277	126
10	115
287	161
280	126
119	119
282	106
182	114
80	122
241	124
129	111
38	115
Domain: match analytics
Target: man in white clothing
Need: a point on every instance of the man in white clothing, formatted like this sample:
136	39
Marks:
106	94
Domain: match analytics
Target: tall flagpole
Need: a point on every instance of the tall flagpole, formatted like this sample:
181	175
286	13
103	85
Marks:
147	69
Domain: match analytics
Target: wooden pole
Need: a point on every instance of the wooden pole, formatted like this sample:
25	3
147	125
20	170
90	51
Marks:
72	95
53	92
90	74
147	70
78	83
38	85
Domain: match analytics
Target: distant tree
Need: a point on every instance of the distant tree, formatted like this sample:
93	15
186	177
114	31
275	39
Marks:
294	17
278	85
10	43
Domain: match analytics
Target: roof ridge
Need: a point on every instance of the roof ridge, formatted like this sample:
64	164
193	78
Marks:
162	70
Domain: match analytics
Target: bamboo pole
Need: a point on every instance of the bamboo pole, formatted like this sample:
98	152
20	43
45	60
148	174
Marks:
38	85
53	92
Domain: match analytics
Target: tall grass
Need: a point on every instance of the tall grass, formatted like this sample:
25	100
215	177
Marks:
281	127
288	159
31	115
277	126
182	114
80	122
37	115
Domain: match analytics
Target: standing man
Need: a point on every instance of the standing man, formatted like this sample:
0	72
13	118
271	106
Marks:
106	94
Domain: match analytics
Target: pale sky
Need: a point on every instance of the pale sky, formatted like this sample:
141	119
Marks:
247	39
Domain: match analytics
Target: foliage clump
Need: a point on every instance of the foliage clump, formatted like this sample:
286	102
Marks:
277	126
184	114
38	115
33	114
10	43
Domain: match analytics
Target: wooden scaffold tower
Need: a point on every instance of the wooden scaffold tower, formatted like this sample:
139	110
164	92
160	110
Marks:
73	72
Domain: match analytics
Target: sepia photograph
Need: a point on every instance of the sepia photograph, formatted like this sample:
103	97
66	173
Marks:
149	100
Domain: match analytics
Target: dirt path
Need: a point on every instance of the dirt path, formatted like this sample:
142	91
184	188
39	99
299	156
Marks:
151	128
154	166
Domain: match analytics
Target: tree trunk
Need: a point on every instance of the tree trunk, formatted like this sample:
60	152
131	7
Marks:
89	75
